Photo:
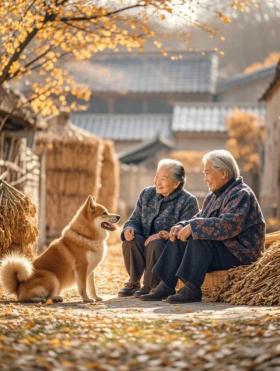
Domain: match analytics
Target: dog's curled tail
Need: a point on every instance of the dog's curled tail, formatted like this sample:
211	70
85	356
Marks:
15	269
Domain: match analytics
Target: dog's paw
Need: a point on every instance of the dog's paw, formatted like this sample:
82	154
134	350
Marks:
98	298
37	299
88	300
57	299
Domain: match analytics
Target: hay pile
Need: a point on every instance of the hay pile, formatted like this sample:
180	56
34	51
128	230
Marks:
109	190
18	222
256	284
75	168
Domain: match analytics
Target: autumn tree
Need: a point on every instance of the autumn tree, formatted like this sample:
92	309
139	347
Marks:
36	35
245	140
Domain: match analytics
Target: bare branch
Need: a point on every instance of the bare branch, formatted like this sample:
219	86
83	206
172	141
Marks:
108	14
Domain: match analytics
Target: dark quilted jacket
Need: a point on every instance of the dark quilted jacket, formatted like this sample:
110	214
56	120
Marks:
161	212
235	218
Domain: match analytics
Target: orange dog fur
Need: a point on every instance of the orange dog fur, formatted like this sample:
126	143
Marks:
69	259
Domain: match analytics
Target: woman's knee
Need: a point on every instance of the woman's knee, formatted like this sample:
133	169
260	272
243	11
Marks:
156	246
133	244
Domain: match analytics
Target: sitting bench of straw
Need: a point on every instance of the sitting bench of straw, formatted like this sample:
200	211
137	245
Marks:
214	280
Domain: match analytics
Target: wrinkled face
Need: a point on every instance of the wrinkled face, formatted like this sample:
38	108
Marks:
164	182
100	215
214	178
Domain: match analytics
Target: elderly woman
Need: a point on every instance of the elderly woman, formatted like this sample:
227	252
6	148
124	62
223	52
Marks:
144	235
228	232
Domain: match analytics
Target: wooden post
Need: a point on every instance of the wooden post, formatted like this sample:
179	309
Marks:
42	202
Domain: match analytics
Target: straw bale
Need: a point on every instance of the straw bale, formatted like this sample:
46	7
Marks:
60	209
67	182
73	170
109	190
66	156
255	284
18	222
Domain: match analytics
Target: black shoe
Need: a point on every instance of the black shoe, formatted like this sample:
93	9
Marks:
129	289
160	292
185	295
143	291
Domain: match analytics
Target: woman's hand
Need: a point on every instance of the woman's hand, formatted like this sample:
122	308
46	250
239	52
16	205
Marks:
164	235
174	232
129	234
185	233
152	238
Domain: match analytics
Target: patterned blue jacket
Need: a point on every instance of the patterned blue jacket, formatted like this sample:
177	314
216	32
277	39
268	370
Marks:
235	218
161	213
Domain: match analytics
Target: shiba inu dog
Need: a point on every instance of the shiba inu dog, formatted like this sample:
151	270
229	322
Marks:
69	259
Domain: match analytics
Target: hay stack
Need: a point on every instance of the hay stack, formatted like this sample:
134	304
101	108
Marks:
73	170
18	222
256	284
109	190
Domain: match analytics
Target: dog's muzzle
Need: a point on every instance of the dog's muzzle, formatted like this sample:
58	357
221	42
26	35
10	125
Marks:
109	224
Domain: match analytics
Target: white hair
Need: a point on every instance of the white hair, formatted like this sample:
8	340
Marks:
176	168
223	160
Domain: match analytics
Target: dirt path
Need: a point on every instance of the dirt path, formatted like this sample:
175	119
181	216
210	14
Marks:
132	307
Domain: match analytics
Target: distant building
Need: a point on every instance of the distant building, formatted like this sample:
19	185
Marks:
245	87
270	194
138	98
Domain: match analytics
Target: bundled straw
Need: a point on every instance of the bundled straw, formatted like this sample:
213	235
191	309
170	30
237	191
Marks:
73	170
256	284
108	194
18	224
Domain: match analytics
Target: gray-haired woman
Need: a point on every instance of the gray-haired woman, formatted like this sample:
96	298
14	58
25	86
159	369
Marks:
229	231
144	235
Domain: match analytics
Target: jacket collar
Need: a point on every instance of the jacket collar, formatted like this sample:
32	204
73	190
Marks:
216	202
221	190
172	195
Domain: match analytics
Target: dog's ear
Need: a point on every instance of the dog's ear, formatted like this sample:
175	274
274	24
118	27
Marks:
91	202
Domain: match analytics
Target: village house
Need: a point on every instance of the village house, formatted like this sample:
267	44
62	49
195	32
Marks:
19	164
270	194
245	87
139	98
134	94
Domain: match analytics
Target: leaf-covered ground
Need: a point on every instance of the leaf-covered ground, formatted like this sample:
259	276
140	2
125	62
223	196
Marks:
116	336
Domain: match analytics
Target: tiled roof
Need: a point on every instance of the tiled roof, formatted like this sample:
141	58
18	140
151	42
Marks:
145	151
274	82
125	127
244	78
148	73
208	117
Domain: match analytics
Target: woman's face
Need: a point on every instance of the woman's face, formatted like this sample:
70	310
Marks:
164	182
214	178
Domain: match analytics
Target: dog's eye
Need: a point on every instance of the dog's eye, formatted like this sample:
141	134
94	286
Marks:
105	214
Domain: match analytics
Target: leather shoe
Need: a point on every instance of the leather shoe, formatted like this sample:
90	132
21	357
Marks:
143	291
129	289
160	292
185	295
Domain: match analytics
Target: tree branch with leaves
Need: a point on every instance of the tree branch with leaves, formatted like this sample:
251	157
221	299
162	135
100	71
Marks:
36	35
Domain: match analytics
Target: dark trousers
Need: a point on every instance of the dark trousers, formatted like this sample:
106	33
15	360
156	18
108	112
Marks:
191	260
139	259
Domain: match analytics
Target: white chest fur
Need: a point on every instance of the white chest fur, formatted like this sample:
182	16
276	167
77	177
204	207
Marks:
95	257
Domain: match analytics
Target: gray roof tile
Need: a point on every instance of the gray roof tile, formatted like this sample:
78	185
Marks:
125	127
145	151
148	73
208	117
245	78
